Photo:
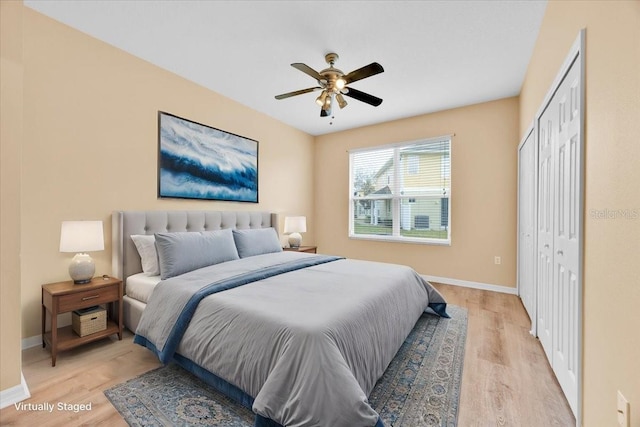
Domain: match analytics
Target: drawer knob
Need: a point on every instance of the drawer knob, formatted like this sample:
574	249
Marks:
91	297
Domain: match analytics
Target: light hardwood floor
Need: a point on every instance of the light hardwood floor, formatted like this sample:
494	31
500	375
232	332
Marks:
506	381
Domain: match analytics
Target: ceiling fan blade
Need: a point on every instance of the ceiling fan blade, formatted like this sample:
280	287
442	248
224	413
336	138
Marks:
297	92
307	70
364	97
364	72
325	113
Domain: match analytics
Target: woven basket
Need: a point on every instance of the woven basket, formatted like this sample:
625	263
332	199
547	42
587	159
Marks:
88	321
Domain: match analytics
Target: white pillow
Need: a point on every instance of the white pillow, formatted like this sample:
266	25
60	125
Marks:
146	245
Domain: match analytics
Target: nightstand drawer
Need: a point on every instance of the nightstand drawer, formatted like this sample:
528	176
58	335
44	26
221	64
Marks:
87	298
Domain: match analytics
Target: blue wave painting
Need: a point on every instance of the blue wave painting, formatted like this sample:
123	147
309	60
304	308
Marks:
201	162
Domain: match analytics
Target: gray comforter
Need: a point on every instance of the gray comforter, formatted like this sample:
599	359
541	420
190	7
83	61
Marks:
308	345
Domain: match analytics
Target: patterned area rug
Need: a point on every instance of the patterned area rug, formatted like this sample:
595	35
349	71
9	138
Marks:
421	386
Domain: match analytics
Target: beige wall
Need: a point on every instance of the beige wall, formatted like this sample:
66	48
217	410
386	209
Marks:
90	146
83	98
483	195
612	245
10	147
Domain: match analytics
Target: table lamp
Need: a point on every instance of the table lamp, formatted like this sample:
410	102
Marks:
81	237
293	226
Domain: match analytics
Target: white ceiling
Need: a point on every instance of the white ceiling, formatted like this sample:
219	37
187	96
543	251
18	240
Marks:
436	54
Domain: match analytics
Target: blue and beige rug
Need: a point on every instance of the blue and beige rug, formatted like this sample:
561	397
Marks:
421	386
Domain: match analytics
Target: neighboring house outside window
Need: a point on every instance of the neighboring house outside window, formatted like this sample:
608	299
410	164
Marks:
413	164
402	192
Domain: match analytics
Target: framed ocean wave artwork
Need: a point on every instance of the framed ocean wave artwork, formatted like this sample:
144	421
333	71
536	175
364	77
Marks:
197	161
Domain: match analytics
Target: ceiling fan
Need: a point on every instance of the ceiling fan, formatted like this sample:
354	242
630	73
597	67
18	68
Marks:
333	84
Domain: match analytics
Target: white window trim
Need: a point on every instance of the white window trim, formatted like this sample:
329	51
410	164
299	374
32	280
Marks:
401	239
396	237
448	137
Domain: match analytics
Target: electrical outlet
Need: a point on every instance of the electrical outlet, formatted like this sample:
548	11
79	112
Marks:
497	260
624	420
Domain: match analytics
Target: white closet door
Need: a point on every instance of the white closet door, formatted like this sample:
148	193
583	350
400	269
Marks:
566	245
526	226
547	131
559	225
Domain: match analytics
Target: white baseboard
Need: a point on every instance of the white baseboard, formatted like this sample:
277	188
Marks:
36	340
33	341
473	285
14	394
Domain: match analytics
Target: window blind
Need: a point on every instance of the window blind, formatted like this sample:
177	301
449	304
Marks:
402	192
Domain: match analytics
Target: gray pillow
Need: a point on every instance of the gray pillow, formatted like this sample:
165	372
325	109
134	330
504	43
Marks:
256	241
181	252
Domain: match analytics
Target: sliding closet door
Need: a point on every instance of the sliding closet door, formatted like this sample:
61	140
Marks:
566	244
526	225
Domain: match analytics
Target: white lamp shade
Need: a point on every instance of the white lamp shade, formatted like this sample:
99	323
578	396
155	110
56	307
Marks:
81	236
295	224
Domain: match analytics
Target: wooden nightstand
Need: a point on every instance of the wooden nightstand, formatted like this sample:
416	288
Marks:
62	297
308	249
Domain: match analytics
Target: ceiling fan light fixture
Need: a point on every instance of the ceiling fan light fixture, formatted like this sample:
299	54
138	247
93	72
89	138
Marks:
325	111
321	99
341	101
340	83
327	103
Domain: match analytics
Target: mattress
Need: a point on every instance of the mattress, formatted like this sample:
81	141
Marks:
140	286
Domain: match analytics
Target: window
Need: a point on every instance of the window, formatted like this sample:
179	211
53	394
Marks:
401	192
413	164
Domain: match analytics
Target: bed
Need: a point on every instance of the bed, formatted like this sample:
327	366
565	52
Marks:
299	338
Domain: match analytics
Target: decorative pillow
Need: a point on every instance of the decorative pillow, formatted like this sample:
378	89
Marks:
256	241
146	245
182	252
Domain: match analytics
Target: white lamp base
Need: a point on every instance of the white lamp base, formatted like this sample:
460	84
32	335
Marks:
82	268
295	239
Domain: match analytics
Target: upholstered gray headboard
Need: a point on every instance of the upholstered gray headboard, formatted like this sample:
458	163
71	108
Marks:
125	258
